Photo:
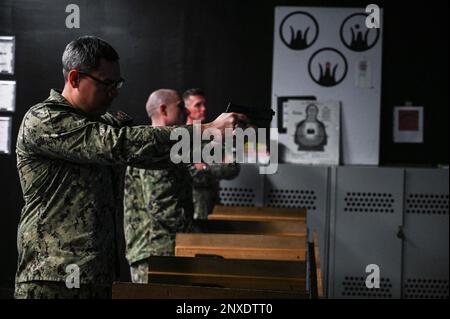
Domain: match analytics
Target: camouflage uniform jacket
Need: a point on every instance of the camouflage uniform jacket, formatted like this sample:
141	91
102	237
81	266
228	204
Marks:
158	204
71	171
206	186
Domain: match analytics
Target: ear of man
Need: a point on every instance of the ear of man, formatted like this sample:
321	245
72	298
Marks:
73	78
163	109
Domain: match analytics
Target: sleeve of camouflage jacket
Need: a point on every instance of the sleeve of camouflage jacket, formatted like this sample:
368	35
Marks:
136	221
225	170
206	178
75	138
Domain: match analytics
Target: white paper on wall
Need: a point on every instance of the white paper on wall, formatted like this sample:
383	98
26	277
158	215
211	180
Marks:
5	135
7	96
363	74
408	124
7	51
313	133
329	53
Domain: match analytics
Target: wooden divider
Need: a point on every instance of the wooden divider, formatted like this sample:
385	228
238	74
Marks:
243	213
228	273
317	267
121	290
276	228
235	246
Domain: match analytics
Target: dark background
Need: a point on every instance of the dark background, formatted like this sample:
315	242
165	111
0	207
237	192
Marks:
224	47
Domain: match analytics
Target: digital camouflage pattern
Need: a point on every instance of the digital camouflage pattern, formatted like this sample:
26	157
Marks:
158	204
139	272
58	290
205	190
71	170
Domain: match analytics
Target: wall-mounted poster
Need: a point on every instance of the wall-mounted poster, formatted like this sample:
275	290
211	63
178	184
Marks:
7	96
5	135
7	51
331	54
313	133
408	124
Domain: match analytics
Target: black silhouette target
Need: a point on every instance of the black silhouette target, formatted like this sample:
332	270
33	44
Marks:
327	67
355	35
300	26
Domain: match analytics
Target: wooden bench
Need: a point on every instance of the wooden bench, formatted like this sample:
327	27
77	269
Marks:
278	228
122	290
228	273
239	213
237	246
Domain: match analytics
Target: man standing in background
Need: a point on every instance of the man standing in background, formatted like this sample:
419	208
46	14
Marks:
206	177
157	203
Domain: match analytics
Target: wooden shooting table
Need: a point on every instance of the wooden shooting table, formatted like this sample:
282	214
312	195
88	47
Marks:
228	273
238	246
217	278
242	213
276	228
125	290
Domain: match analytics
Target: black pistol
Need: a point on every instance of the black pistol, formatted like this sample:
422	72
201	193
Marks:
258	117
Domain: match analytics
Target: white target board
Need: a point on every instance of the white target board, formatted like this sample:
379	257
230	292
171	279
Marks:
313	130
330	54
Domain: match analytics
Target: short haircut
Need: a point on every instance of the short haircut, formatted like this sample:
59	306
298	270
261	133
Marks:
84	54
191	92
158	97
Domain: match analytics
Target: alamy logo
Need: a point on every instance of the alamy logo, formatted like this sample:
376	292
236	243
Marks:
73	19
360	32
241	146
73	276
373	279
373	19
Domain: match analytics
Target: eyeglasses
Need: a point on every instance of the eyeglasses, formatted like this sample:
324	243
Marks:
109	84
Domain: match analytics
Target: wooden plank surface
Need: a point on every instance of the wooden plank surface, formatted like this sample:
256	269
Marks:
121	290
235	246
320	288
257	213
277	228
228	273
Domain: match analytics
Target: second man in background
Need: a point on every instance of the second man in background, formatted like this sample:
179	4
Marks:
157	203
205	177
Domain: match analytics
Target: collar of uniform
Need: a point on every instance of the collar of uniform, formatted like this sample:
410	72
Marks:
121	118
57	99
56	96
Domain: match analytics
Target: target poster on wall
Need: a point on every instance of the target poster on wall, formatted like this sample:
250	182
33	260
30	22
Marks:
313	130
330	54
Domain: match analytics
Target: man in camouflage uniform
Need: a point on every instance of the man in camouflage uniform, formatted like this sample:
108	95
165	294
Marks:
71	157
157	205
205	177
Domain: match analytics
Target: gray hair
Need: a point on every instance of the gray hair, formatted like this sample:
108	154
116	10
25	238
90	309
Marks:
84	54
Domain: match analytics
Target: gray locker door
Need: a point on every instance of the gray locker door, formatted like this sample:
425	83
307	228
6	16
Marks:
303	186
426	244
245	190
366	217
